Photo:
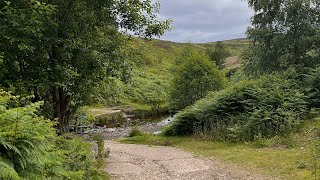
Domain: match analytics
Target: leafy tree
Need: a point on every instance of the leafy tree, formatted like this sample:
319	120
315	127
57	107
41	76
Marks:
58	50
219	54
285	33
193	79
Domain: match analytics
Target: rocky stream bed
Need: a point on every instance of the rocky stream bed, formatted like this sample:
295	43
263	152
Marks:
118	123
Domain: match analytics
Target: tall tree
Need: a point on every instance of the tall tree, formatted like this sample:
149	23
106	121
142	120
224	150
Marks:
58	50
285	33
219	54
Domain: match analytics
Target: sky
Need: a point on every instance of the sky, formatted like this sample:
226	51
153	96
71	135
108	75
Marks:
202	21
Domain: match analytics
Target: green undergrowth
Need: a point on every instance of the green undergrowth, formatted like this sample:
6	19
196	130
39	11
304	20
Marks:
290	157
31	149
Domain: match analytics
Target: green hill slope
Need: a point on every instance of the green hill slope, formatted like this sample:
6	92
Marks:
153	63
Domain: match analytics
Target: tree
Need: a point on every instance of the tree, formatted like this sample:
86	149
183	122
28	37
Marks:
58	50
193	79
285	33
219	54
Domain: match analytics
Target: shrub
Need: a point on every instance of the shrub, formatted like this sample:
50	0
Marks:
193	79
272	105
82	117
30	148
78	159
313	88
109	91
135	132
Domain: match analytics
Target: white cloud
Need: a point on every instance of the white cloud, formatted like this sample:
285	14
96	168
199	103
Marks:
206	20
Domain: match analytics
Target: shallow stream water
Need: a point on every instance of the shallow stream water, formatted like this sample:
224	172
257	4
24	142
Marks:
117	129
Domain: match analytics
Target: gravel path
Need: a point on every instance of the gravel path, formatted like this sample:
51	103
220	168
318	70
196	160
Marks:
142	162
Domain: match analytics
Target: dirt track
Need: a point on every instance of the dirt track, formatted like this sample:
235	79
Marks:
142	162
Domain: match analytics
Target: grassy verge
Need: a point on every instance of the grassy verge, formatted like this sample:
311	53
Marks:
281	162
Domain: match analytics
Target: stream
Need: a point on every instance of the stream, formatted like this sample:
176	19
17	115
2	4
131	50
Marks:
121	127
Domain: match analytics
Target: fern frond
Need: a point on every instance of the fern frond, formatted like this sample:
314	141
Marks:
7	171
9	146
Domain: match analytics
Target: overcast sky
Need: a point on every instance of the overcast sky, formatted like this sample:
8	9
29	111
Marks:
206	20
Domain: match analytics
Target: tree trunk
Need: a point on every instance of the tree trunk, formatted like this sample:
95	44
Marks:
56	107
63	108
60	105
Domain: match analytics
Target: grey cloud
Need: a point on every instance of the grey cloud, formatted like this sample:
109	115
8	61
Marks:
206	20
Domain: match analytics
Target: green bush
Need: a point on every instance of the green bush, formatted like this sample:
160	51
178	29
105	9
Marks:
148	88
135	131
30	148
313	88
272	105
109	91
193	79
78	159
82	117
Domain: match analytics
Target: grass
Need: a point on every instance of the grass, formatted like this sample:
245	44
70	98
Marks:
135	131
274	159
235	46
136	105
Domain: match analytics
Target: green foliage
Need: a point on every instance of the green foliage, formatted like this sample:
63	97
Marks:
30	148
109	91
135	131
147	89
285	33
24	138
153	62
102	151
83	117
193	79
78	162
59	50
272	105
219	54
111	120
314	133
313	88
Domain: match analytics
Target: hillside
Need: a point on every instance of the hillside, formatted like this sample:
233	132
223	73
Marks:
153	64
154	67
235	46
